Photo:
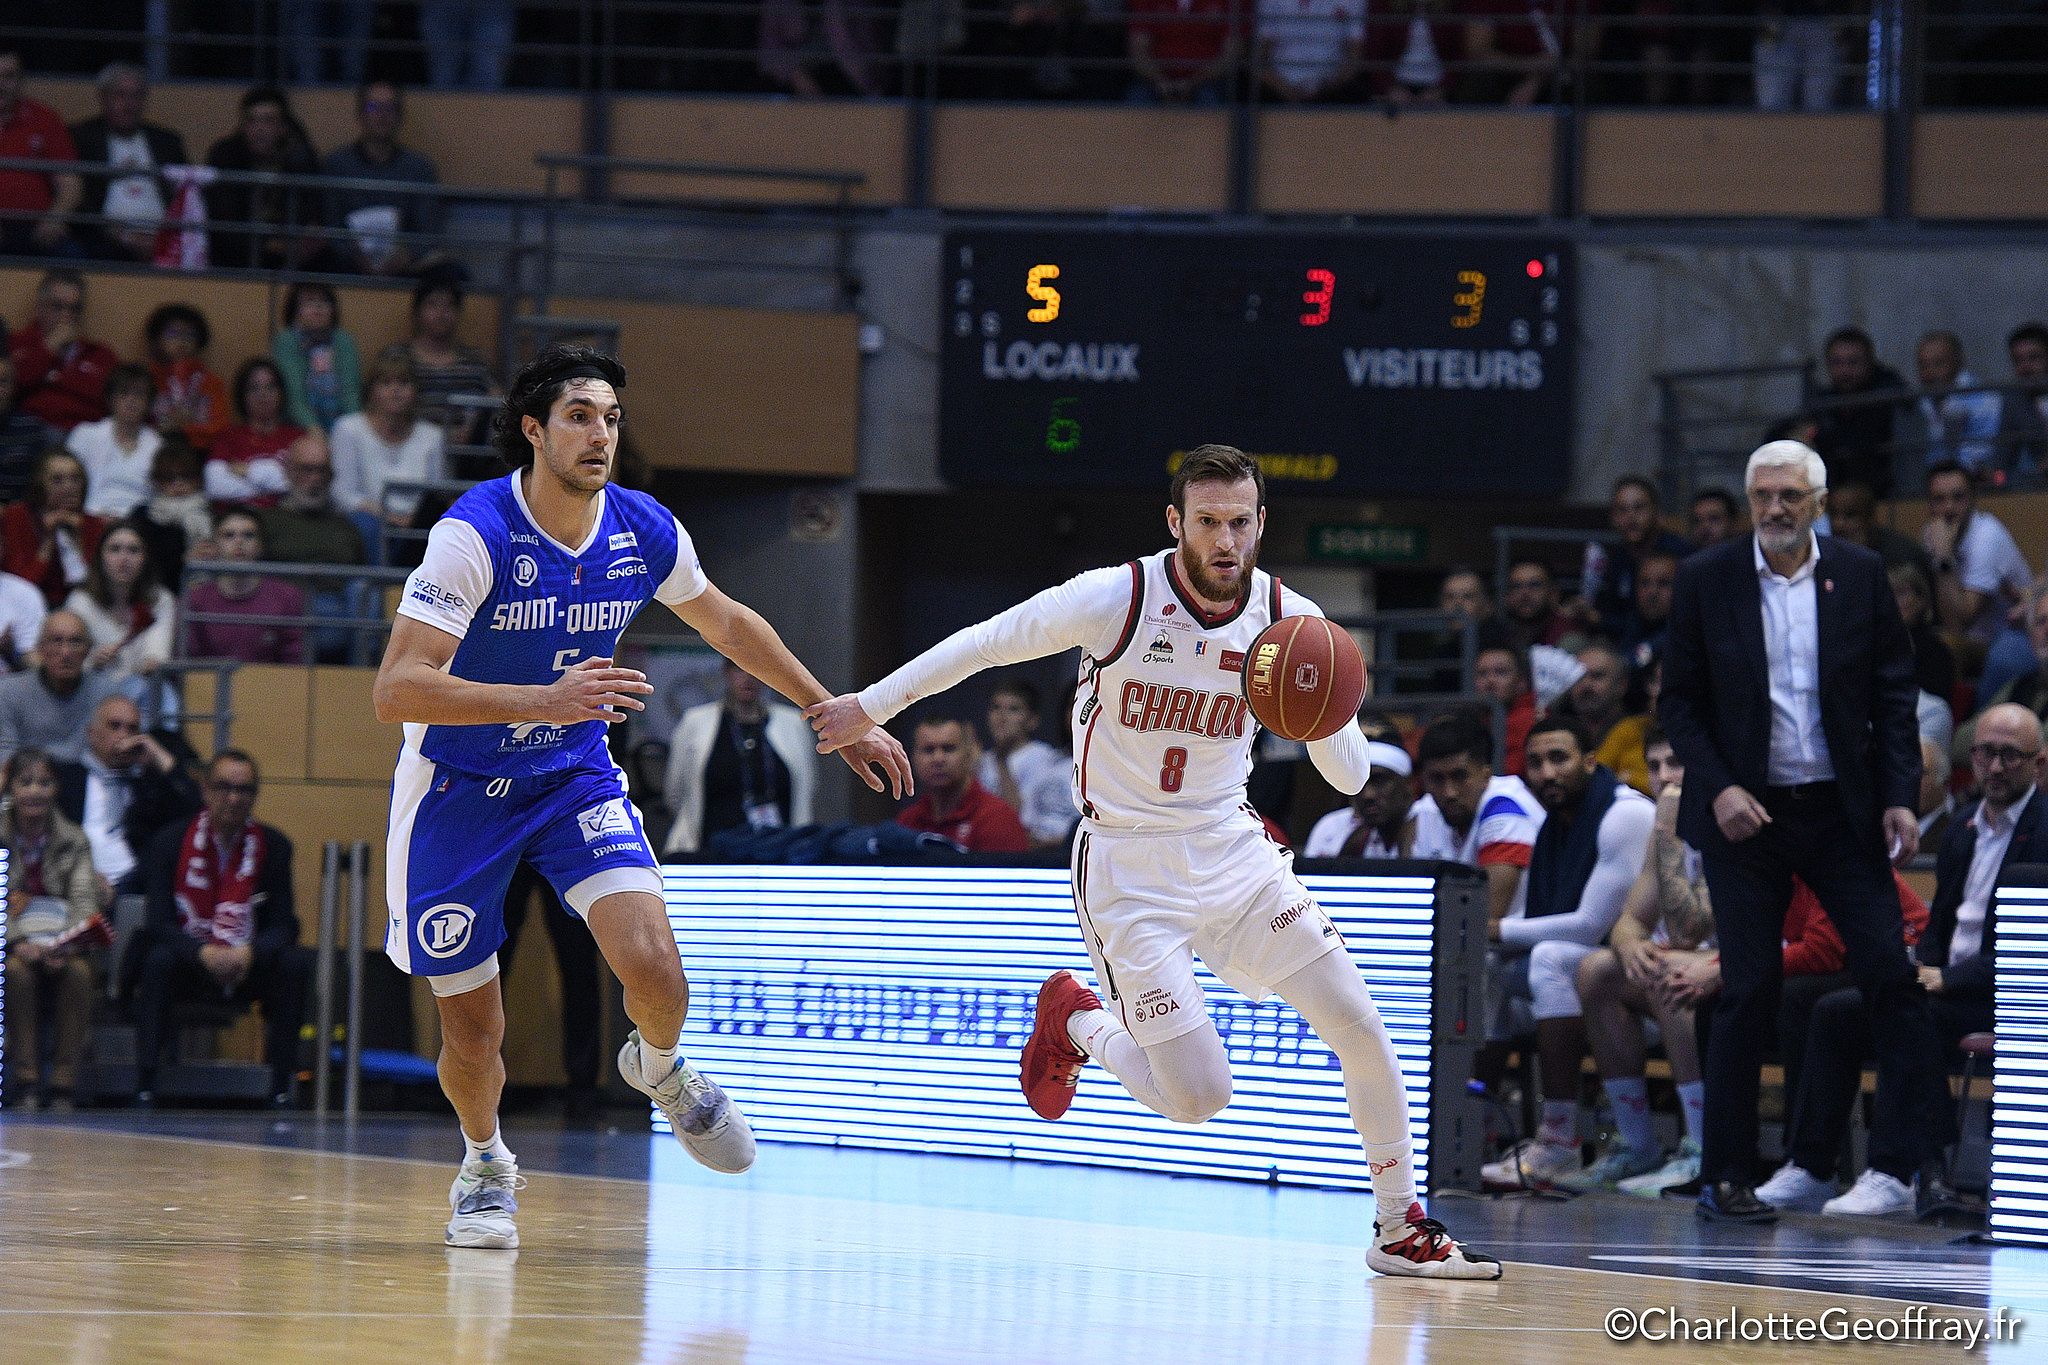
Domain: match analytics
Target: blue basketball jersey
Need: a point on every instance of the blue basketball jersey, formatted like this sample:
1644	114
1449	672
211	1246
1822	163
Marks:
526	607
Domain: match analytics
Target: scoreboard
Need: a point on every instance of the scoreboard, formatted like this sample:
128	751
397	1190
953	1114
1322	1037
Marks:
1397	364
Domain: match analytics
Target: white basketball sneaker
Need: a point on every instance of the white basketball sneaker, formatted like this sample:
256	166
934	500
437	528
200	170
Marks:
481	1201
1796	1190
708	1124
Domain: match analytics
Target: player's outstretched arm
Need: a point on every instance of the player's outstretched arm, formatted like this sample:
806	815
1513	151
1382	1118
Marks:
414	685
740	633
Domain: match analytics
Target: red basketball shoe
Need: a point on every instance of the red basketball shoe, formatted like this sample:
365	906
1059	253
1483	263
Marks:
1052	1064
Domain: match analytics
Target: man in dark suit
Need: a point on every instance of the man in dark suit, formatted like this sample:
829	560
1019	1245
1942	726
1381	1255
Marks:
120	136
1789	696
130	784
1914	1118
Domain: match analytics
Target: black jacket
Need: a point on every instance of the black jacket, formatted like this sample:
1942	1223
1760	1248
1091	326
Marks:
1716	701
277	920
1971	978
166	148
159	799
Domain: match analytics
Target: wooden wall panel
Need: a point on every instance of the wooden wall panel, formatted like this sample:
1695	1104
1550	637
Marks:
1049	158
741	390
1968	165
1452	161
1733	165
827	135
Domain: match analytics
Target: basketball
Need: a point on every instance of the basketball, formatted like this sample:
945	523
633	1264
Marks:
1304	678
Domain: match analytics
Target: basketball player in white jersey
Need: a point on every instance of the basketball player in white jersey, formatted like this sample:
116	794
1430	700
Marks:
1171	860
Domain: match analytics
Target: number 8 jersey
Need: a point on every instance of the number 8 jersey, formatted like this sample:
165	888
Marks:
1162	733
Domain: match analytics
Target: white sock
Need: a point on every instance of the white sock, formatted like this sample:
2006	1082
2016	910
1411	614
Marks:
1692	1102
1560	1124
1630	1098
493	1150
657	1062
1089	1030
1392	1165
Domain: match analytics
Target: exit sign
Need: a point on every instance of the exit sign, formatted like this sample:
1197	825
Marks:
1369	544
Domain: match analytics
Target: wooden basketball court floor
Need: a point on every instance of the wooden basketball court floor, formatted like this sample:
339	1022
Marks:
226	1239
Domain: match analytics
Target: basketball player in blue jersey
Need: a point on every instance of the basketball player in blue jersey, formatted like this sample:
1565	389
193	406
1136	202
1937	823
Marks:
500	666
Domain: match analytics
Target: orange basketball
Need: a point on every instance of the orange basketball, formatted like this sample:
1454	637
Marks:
1304	678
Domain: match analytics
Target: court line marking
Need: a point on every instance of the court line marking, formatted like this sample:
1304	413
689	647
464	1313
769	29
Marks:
841	1199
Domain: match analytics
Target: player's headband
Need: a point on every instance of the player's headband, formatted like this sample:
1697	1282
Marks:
613	377
1392	757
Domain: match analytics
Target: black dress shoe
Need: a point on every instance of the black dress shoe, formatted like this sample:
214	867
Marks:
1936	1198
1724	1201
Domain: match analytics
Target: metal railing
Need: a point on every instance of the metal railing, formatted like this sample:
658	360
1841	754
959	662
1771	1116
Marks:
332	871
360	626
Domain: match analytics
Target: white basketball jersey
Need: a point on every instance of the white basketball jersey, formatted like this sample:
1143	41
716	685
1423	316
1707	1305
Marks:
1162	732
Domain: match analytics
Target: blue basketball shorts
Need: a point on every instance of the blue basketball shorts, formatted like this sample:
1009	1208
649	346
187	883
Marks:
456	838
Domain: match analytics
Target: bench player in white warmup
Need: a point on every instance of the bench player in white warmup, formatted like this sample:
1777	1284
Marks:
1171	861
500	665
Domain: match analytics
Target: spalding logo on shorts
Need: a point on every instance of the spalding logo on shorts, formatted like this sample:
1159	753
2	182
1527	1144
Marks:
444	930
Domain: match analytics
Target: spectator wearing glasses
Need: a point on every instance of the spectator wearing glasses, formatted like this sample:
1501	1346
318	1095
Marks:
60	374
307	526
382	225
50	707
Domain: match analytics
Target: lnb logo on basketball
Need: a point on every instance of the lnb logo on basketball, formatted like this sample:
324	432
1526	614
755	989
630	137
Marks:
1263	659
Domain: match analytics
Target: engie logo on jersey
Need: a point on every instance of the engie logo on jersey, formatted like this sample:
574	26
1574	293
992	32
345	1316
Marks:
444	930
525	572
626	568
602	821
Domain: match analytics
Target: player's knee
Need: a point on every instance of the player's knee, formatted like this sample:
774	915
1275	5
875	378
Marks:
1599	975
1195	1098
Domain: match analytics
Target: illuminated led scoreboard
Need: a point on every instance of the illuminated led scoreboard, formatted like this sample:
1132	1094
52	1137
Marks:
1383	364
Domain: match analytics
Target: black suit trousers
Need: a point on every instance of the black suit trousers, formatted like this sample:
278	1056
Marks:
1811	836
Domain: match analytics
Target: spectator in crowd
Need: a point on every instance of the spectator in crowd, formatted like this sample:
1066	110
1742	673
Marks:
1310	51
117	450
221	925
1036	779
1934	665
48	537
1962	427
1642	636
119	137
51	891
246	462
816	50
1607	587
1599	699
1588	853
307	526
1798	58
1937	802
1795	721
383	226
444	367
128	786
1852	516
1514	51
1666	921
2029	689
468	42
744	762
952	804
60	374
1530	614
1913	1118
1375	823
49	707
1469	815
2023	416
1714	518
1854	425
386	443
32	131
263	226
23	436
323	372
1501	673
238	537
1463	593
1412	63
130	616
177	521
22	610
1979	572
1182	51
190	399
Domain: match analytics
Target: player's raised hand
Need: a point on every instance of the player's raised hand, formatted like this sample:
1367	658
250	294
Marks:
840	722
593	690
878	749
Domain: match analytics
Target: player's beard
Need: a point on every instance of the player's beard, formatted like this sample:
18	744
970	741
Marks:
577	479
1207	585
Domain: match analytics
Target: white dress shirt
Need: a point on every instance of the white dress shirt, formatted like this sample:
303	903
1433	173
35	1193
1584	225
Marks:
1799	750
1994	837
107	797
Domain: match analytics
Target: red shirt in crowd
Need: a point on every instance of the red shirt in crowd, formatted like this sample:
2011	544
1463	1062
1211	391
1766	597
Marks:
1187	35
1813	948
253	643
63	390
23	553
239	444
982	823
34	133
